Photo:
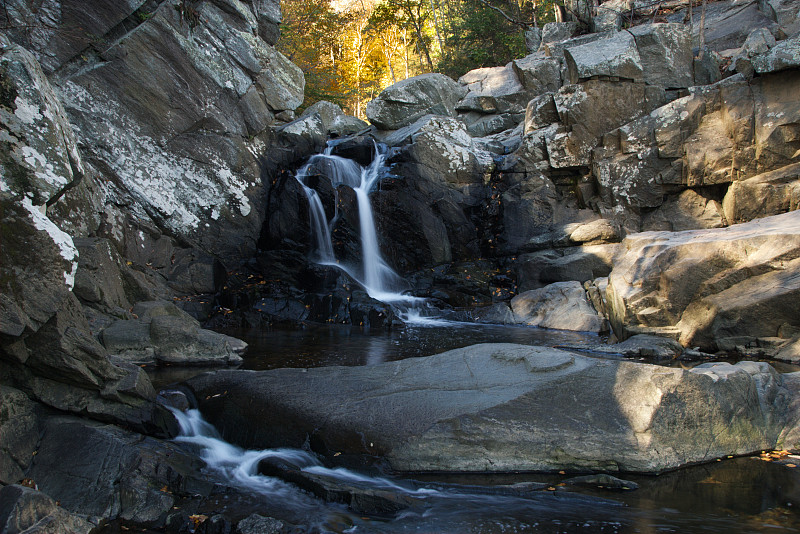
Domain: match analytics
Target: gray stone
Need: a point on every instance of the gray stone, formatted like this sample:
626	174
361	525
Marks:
645	346
554	32
129	340
497	313
690	210
609	15
785	12
26	510
404	102
602	481
259	524
709	285
99	280
537	73
541	112
538	269
177	341
706	69
561	305
556	49
507	407
770	193
533	38
504	85
784	55
600	231
615	56
665	51
728	23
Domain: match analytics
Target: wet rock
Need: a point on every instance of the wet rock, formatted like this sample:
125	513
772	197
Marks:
404	102
362	498
603	481
561	305
106	472
259	524
27	510
499	407
709	284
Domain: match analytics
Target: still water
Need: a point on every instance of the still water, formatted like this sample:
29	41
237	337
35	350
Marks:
737	495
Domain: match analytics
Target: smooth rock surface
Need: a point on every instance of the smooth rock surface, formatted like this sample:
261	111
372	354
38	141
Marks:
500	407
404	102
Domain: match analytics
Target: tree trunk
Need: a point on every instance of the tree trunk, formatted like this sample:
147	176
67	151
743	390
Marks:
702	30
436	27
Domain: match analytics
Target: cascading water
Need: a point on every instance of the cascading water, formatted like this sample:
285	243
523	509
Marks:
374	274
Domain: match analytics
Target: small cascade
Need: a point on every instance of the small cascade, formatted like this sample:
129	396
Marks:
374	274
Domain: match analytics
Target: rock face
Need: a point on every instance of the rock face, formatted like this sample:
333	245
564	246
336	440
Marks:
715	289
506	408
562	305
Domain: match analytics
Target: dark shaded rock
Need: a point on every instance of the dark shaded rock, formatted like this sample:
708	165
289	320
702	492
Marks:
259	524
645	346
104	471
616	56
98	280
26	510
20	430
362	498
603	481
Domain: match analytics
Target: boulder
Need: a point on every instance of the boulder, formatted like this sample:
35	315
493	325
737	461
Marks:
728	23
784	55
581	264
406	101
644	346
259	524
555	32
785	12
537	73
503	85
105	472
26	510
99	280
767	194
711	288
163	333
665	51
690	210
561	305
501	408
541	112
615	56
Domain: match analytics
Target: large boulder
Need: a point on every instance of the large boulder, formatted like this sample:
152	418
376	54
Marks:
502	408
406	101
615	56
665	51
20	430
24	509
561	305
766	194
714	289
784	55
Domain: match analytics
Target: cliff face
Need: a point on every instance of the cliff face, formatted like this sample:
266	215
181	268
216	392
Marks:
138	125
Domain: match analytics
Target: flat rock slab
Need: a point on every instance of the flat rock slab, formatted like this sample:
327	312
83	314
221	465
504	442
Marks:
505	407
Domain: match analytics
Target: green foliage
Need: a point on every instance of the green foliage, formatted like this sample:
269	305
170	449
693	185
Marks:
480	37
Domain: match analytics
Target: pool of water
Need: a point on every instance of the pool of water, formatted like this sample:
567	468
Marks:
738	495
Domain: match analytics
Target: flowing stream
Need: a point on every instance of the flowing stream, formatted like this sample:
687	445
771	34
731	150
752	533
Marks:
737	496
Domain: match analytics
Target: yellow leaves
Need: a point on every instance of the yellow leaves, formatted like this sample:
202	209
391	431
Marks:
197	519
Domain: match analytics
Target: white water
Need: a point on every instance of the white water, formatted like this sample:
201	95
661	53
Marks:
374	274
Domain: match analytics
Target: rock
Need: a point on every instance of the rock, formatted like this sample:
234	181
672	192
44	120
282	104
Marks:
404	102
541	112
609	16
690	210
501	408
497	313
555	32
503	85
790	351
20	430
615	56
556	49
163	333
334	120
602	481
707	68
210	89
259	524
106	472
529	209
99	280
598	232
782	56
360	497
645	346
538	74
710	285
580	264
770	193
728	23
30	511
533	38
665	51
785	12
561	305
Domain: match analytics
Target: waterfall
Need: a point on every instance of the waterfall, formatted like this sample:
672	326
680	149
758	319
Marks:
374	274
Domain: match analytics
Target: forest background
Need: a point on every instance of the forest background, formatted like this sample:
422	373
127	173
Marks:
350	50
